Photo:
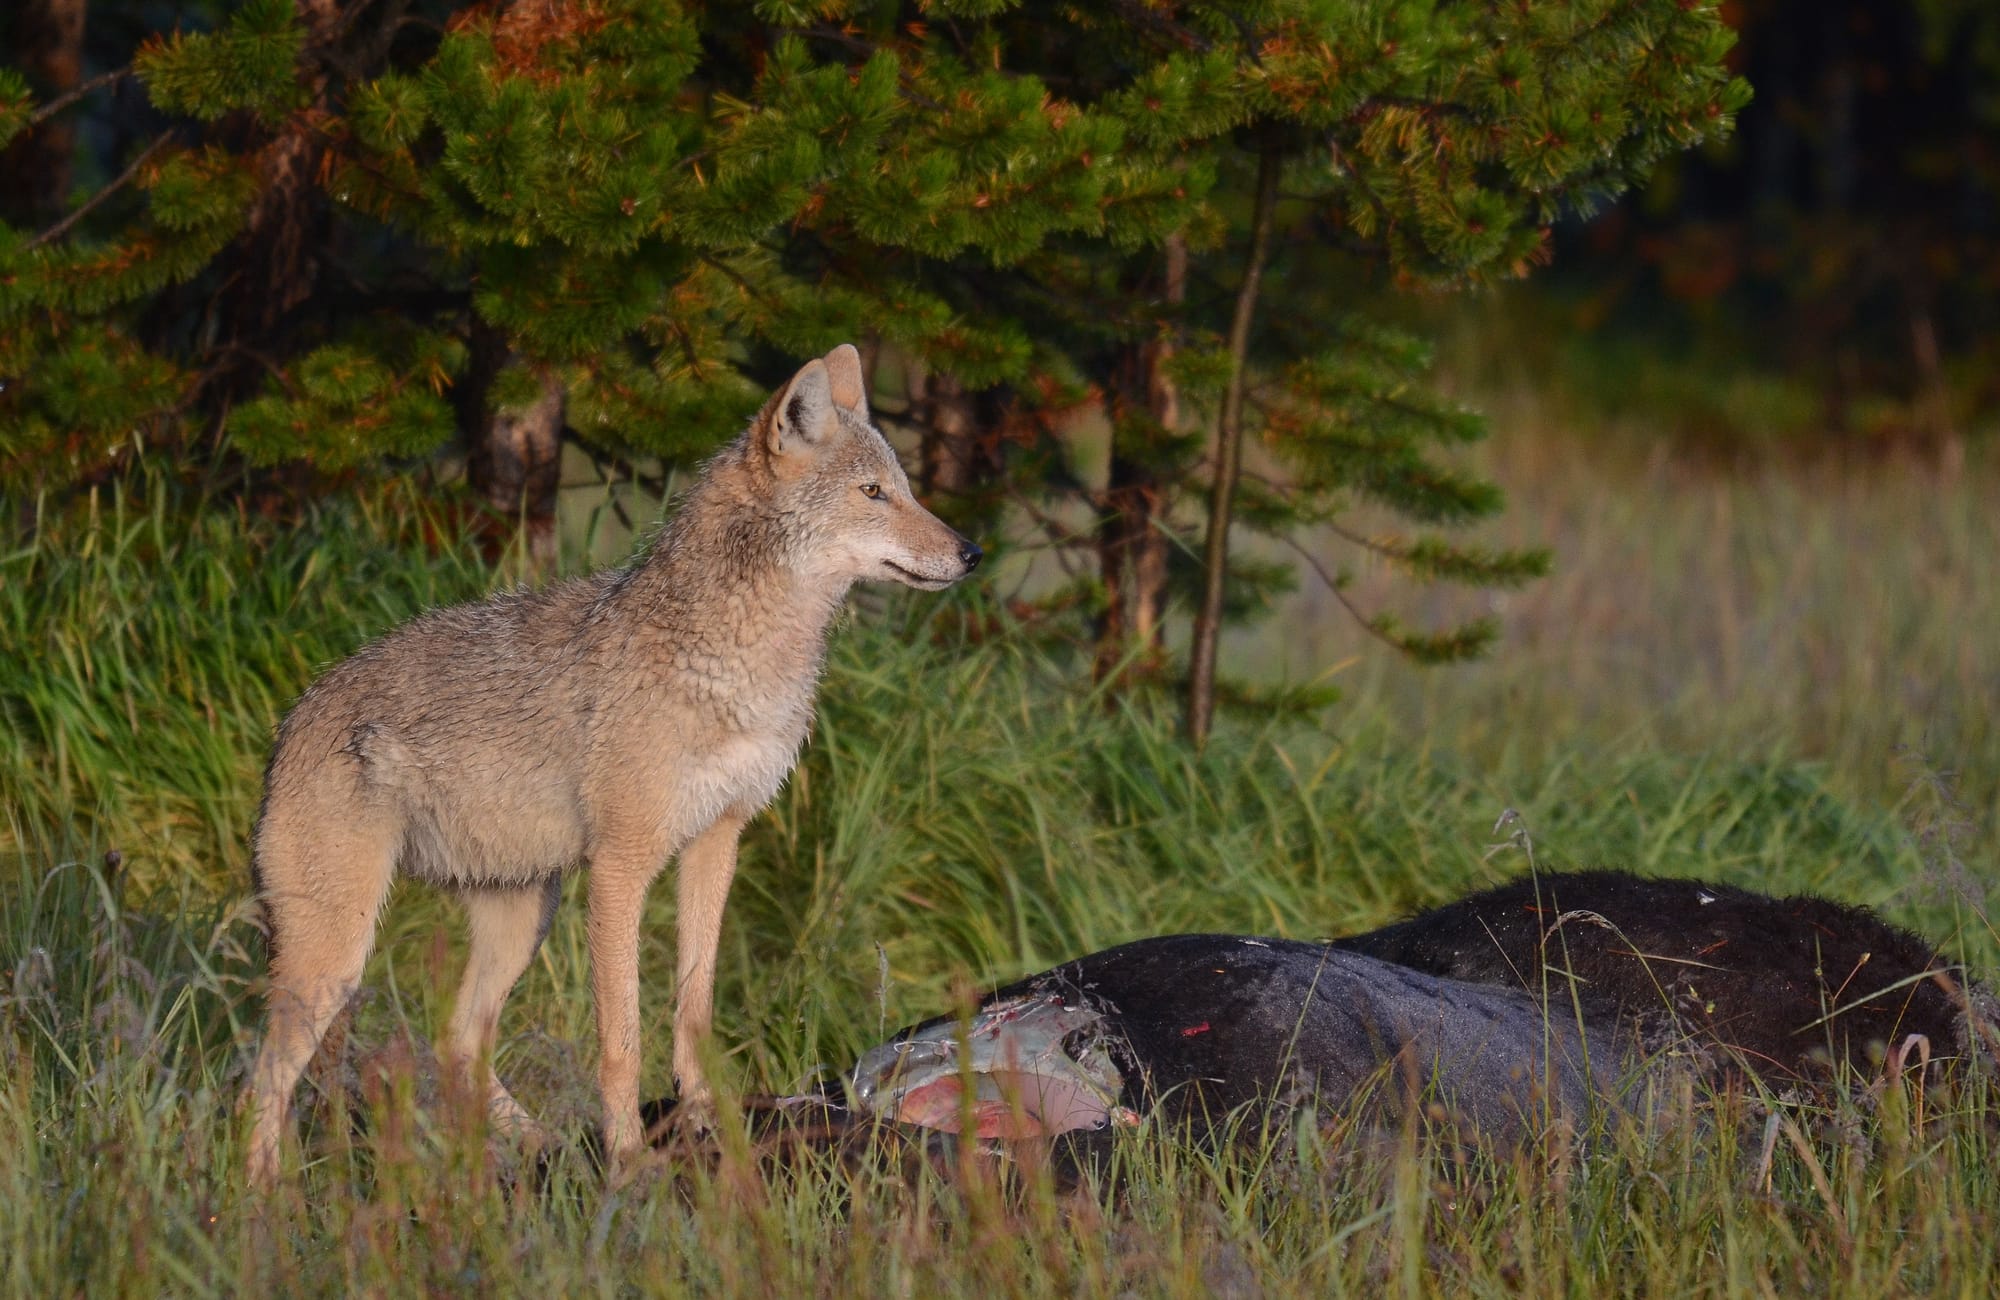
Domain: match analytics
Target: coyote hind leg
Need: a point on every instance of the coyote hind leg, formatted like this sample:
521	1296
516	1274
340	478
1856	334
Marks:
321	906
508	926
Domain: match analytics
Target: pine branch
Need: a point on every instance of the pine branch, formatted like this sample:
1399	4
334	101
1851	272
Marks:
1440	107
90	205
68	97
603	459
1179	36
1327	234
355	65
1340	593
270	364
1349	535
958	38
1368	193
904	81
750	290
1061	536
1466	642
1246	31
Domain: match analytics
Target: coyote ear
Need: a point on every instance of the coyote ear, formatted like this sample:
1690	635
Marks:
803	412
843	369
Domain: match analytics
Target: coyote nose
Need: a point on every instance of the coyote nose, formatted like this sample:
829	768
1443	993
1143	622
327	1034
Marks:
969	555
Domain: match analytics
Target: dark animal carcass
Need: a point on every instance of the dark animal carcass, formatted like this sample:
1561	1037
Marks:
1564	996
1797	990
1200	1027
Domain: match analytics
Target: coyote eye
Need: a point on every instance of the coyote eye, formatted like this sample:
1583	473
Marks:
873	491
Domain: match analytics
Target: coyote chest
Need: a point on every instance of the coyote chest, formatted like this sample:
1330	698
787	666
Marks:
713	732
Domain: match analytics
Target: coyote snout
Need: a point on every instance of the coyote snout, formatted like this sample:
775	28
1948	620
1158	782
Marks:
923	574
614	721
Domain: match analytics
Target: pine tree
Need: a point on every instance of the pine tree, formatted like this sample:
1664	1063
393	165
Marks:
1429	145
1437	143
331	241
1420	145
589	218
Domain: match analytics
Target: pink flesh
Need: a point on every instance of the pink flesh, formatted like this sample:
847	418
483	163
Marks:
1030	1105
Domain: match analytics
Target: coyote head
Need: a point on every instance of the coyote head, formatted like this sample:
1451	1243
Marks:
846	503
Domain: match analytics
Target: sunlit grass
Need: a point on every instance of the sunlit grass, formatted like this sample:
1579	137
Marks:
1832	607
965	812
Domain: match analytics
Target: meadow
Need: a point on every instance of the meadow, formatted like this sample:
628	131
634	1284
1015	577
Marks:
1777	673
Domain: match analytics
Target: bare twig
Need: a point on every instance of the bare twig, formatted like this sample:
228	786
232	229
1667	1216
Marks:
63	227
268	362
68	97
750	290
1339	594
1060	535
603	459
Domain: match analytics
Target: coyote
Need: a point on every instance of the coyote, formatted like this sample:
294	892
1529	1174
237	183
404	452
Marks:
612	721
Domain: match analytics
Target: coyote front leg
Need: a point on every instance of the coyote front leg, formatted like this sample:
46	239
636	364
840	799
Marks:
620	874
619	879
708	865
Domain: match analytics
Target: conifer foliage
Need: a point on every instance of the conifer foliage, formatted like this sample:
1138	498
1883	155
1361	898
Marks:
323	233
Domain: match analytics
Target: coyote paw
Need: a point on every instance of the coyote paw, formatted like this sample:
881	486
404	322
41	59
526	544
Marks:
636	1168
507	1122
678	1122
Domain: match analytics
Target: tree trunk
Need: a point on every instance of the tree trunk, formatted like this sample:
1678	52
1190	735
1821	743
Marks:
948	432
1131	536
1114	539
35	169
520	469
276	259
1229	456
1934	399
1163	400
513	457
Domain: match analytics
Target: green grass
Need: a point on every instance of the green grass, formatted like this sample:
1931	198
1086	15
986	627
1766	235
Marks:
966	811
1835	611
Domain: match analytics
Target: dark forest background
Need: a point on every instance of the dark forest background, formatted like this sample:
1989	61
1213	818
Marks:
270	252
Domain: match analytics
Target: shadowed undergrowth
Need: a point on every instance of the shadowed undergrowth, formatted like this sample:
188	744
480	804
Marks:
965	812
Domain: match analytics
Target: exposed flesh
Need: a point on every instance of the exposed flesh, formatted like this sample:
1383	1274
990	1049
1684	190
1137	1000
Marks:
1023	1067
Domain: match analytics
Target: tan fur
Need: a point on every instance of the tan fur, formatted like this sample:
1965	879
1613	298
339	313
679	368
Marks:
612	721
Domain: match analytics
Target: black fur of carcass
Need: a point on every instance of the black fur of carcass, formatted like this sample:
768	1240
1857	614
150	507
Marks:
1567	995
1201	1029
1790	991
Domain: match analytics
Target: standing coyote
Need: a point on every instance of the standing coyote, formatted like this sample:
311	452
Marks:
615	720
